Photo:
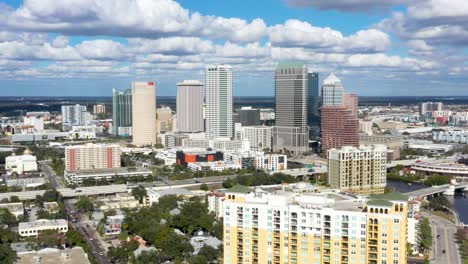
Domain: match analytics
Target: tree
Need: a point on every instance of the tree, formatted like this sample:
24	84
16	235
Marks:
139	193
209	253
7	255
440	203
6	218
52	196
168	202
204	187
14	199
85	204
151	257
425	234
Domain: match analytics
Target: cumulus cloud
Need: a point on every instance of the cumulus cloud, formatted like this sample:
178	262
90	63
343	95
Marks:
295	33
346	5
128	18
438	22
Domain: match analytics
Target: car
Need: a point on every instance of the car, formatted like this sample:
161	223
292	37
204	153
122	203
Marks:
443	251
438	236
90	239
101	253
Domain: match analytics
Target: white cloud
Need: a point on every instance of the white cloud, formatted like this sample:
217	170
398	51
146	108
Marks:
101	49
128	18
172	45
295	33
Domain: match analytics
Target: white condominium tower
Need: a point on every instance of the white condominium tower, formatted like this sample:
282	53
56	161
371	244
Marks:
361	170
190	106
218	96
144	113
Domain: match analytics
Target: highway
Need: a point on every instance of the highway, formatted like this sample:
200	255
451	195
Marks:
446	230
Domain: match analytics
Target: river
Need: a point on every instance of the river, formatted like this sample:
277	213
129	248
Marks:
460	203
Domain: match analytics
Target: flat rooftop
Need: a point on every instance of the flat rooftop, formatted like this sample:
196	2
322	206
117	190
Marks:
74	255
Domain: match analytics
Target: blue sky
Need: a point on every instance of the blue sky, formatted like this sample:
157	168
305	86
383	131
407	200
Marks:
88	47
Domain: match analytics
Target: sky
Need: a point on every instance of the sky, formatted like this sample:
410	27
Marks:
89	47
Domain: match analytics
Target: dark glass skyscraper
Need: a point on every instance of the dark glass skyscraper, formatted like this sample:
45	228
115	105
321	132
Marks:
313	104
121	110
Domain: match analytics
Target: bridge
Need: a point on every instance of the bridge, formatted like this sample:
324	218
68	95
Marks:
447	189
118	188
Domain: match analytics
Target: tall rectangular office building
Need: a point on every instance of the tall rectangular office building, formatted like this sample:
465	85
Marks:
144	113
121	110
291	94
190	106
218	96
313	104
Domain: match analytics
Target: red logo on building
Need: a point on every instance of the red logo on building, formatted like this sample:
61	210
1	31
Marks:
150	83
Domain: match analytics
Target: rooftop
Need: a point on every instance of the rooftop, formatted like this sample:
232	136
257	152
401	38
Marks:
74	255
239	189
380	203
331	79
391	196
289	64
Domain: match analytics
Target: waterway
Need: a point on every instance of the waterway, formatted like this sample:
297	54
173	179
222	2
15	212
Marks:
460	203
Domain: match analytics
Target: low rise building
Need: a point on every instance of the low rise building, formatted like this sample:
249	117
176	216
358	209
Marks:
186	157
25	182
15	208
153	195
113	225
119	201
21	163
77	177
34	228
221	144
218	166
428	147
74	255
257	160
51	207
454	136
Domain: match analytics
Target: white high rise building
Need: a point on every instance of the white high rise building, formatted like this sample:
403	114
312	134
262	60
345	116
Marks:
259	136
190	106
218	95
74	115
144	113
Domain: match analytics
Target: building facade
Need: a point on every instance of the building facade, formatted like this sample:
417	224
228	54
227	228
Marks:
429	107
21	163
350	100
313	104
249	116
164	120
74	115
340	126
92	157
219	104
99	109
122	112
144	113
218	144
259	136
190	106
262	227
34	228
291	95
360	170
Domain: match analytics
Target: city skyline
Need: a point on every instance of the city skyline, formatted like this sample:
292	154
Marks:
380	48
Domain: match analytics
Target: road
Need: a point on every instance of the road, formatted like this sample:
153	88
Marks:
55	183
446	230
88	233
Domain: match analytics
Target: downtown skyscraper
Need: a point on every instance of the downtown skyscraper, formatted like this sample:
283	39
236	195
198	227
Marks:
340	125
190	106
290	133
219	104
122	112
313	104
144	113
